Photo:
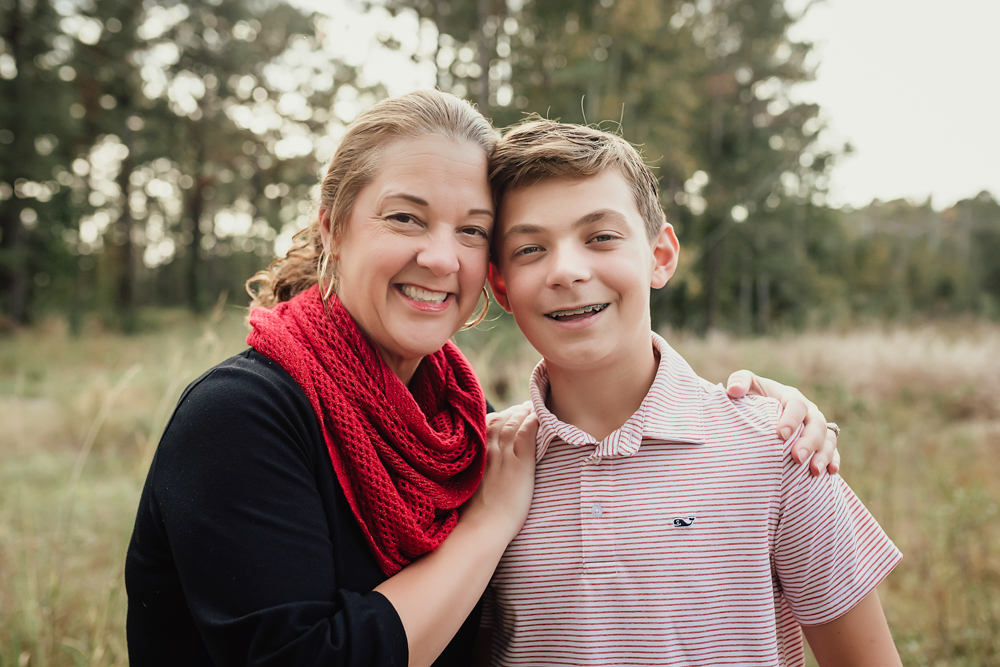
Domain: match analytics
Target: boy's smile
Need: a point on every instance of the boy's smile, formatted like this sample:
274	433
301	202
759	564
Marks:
573	314
575	268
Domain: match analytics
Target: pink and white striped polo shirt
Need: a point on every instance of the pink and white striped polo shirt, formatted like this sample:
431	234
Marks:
686	537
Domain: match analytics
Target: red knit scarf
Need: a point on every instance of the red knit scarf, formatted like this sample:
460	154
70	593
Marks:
407	458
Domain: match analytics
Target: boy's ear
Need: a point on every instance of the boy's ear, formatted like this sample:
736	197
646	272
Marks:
665	252
499	287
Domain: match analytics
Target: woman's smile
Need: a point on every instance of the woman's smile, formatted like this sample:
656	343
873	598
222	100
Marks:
426	299
412	261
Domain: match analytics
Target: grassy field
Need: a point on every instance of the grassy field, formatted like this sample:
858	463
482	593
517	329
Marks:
80	417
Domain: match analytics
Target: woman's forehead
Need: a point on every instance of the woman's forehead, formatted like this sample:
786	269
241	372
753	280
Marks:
433	171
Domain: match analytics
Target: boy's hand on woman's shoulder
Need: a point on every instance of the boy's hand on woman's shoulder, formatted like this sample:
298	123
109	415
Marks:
796	409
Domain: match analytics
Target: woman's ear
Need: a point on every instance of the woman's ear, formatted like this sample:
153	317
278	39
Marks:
499	287
665	252
326	233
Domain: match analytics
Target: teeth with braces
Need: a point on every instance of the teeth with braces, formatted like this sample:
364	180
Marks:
422	295
596	308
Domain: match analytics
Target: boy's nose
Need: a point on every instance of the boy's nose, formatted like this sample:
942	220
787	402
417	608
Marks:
568	267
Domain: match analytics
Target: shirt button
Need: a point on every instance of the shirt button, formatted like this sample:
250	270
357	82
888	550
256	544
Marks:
596	460
596	509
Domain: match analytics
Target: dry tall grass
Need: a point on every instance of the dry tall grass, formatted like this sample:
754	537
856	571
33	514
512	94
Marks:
80	419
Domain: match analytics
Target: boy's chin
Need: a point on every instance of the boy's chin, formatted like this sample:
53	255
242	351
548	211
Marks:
574	356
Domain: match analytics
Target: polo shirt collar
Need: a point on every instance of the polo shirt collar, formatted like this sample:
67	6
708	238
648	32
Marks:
671	411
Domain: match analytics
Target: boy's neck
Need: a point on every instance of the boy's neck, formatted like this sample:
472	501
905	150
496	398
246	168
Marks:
599	401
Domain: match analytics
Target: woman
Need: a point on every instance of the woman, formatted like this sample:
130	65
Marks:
302	507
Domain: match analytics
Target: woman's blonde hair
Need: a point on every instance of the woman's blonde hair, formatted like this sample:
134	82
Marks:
418	114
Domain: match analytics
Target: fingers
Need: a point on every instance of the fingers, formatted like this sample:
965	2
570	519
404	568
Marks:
524	441
739	383
504	427
815	440
796	410
513	418
767	387
504	495
793	413
501	427
834	466
822	459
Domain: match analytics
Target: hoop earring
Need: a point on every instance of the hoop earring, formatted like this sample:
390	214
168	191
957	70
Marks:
323	266
482	315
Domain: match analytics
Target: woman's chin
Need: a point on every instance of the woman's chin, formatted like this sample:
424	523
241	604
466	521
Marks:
407	348
419	346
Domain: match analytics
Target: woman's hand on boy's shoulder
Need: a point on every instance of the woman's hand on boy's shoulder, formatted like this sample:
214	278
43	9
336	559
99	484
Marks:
504	495
816	439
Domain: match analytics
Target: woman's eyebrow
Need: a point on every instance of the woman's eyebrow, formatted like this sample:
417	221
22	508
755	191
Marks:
423	202
408	197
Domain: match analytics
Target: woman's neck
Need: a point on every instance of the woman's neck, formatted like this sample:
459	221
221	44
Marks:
404	368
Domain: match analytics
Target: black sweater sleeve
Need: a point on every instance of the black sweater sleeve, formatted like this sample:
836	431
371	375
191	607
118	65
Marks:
244	550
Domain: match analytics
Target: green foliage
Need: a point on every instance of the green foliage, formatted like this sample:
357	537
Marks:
154	151
911	259
703	89
157	152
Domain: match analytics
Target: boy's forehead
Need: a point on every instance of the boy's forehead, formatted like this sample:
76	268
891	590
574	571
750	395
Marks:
554	199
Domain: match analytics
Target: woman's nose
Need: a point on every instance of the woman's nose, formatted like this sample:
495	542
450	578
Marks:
439	254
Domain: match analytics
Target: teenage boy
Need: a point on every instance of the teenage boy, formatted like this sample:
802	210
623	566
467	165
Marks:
669	524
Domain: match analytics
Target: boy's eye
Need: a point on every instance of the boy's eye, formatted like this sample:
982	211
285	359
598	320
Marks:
527	250
600	238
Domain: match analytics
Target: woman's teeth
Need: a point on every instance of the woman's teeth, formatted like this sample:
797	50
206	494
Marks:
593	308
422	295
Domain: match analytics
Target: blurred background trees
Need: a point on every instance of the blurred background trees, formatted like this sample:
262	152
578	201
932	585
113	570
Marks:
156	153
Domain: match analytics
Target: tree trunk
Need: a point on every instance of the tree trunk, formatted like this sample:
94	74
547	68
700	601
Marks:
746	301
485	51
713	271
195	208
763	302
715	255
14	274
127	260
439	26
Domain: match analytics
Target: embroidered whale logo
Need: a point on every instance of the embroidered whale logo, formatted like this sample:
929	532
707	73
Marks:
681	522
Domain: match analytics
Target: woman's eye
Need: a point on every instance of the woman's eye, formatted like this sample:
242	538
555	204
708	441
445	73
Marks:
476	231
404	218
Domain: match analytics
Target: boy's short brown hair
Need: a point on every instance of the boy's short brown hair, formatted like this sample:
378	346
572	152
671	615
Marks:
539	148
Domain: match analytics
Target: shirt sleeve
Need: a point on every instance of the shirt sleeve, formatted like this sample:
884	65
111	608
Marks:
829	552
234	491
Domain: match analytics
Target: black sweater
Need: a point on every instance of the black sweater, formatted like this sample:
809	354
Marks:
245	551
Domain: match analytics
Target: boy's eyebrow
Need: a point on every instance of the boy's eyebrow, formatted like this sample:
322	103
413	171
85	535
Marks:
423	202
583	221
523	228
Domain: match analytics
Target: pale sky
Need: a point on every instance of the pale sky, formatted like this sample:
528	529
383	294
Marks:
914	85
